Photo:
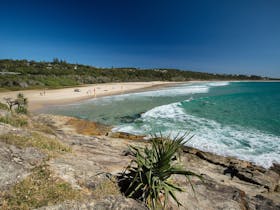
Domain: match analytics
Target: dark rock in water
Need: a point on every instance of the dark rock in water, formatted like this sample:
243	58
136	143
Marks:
131	118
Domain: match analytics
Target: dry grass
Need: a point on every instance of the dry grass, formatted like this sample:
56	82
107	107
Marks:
41	188
43	128
105	188
51	146
4	106
14	120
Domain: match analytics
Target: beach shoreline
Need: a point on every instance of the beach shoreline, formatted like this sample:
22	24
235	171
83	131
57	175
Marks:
38	99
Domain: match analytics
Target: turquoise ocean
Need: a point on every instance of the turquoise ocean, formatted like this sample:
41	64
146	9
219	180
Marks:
239	119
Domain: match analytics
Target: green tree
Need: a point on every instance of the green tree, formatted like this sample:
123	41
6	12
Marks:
56	60
22	102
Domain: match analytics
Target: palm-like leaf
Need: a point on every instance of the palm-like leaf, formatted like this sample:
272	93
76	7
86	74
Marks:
149	173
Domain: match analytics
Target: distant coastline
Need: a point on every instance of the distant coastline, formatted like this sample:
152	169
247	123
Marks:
67	95
50	83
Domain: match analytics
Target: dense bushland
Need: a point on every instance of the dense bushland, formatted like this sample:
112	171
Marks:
15	74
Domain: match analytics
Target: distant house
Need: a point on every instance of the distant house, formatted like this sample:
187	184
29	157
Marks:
49	66
9	73
75	67
161	70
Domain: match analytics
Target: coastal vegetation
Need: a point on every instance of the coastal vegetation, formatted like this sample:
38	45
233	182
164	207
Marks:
24	74
3	106
49	146
19	104
18	108
41	188
14	120
148	177
106	187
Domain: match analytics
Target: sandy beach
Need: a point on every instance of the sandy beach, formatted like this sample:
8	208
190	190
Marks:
40	98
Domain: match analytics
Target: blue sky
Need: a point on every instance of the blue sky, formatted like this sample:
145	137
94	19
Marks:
239	36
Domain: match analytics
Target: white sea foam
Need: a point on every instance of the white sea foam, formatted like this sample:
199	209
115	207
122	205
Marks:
174	91
180	90
216	84
171	91
247	144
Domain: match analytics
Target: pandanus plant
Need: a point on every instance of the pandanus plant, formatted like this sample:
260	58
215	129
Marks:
148	177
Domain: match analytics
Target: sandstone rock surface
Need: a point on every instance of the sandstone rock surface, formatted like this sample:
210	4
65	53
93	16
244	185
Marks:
228	183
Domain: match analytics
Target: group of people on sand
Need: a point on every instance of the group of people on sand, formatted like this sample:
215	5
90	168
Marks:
43	93
89	92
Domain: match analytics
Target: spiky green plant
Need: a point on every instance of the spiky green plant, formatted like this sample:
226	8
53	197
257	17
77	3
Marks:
148	177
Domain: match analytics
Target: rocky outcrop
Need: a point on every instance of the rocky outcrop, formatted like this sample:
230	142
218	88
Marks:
88	128
244	171
73	125
124	135
93	156
213	195
228	183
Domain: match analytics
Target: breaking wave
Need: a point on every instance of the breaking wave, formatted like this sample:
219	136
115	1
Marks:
236	141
